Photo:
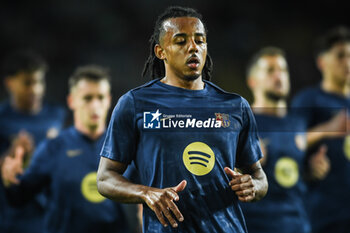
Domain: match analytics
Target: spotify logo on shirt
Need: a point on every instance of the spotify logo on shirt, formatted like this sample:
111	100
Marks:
89	188
286	172
198	158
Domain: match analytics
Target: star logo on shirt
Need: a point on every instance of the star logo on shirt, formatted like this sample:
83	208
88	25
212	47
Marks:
156	115
151	120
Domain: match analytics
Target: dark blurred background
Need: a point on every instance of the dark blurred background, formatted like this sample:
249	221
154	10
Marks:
115	33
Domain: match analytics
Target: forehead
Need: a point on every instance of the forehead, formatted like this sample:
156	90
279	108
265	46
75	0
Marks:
340	46
37	75
86	86
183	25
272	60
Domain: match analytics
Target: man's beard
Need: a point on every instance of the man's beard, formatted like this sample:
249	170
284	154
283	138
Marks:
93	127
191	78
274	96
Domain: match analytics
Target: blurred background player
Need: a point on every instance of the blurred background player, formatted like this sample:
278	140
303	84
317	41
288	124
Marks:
26	116
188	184
67	165
283	139
328	199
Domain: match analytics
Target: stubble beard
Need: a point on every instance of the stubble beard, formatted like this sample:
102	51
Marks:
191	78
275	97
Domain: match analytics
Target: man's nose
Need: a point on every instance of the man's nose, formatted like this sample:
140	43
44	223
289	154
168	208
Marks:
95	103
36	89
193	47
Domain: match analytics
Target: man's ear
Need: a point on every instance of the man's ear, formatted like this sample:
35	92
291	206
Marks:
8	82
320	62
159	52
70	101
251	82
109	100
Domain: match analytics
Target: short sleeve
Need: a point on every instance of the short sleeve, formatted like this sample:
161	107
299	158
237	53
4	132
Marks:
248	148
121	137
132	174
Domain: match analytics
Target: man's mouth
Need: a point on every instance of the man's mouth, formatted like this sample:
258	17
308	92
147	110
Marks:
95	116
193	62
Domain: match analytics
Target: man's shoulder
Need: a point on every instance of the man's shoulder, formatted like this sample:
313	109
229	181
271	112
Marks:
309	92
145	86
216	90
306	97
4	107
54	109
130	95
63	137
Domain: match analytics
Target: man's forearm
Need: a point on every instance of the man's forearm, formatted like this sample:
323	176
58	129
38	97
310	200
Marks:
114	186
259	178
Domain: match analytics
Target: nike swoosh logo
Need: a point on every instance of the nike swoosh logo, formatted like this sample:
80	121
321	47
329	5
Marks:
73	153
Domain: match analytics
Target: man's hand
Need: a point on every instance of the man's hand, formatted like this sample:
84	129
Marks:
242	184
12	167
161	201
319	164
24	140
19	152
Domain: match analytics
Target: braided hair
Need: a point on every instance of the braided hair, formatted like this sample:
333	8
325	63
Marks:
156	66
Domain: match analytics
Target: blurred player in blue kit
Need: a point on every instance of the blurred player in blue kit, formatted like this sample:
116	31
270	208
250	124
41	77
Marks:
284	140
328	199
67	165
185	136
25	119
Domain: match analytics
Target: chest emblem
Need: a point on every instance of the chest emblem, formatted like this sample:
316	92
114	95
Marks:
73	153
286	172
198	158
224	119
89	188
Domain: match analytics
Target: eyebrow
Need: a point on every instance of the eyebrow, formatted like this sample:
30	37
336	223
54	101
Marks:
184	34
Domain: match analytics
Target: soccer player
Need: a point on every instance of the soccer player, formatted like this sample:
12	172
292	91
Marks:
328	199
27	116
185	136
283	139
67	165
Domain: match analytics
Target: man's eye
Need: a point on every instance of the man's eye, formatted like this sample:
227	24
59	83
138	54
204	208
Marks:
88	98
27	83
181	42
340	55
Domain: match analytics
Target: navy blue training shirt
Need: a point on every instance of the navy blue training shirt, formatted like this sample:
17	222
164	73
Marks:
45	124
67	166
174	134
327	200
282	210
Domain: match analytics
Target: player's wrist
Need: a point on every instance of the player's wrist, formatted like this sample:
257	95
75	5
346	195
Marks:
144	193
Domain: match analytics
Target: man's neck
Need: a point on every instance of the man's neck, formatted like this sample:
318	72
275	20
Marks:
334	88
196	84
93	134
270	107
25	109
